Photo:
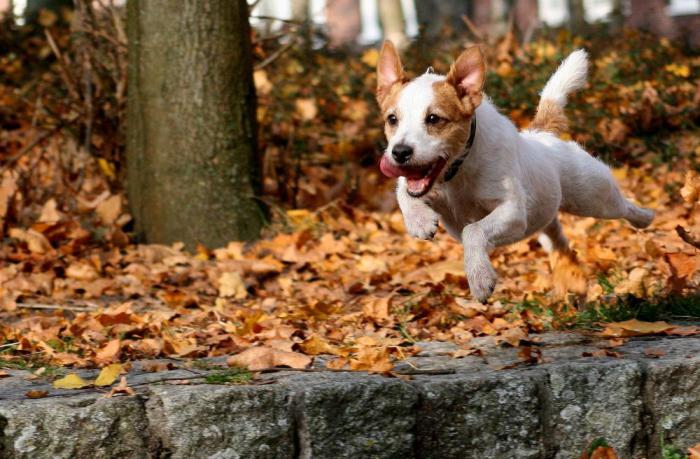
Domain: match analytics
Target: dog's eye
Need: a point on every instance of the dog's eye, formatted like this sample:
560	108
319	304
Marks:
392	120
432	119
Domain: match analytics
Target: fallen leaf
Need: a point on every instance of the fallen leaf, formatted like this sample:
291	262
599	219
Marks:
682	264
531	355
635	327
36	394
109	209
377	309
71	381
50	213
231	285
306	109
315	345
154	366
121	389
36	242
257	358
372	360
694	452
109	374
4	374
109	352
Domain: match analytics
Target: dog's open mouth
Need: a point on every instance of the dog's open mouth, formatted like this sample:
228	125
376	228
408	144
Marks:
419	179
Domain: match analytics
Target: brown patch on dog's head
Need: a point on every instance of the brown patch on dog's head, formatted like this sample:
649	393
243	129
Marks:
467	76
389	71
453	123
550	117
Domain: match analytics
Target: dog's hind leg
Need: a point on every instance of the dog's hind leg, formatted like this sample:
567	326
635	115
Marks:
552	238
591	191
566	274
639	217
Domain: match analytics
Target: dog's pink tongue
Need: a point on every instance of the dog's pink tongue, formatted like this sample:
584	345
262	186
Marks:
389	169
417	187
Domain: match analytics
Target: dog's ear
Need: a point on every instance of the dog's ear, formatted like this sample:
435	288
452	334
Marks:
467	76
389	70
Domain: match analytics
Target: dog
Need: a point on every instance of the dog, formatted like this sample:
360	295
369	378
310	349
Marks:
462	163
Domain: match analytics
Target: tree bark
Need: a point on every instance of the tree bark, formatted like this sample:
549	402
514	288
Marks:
192	166
344	22
577	16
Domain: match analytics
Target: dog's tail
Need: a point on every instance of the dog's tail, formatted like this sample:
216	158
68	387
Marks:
570	76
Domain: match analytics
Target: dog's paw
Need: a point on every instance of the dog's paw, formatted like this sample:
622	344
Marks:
482	280
422	228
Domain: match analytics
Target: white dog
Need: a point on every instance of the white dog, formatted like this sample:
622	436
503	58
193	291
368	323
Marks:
459	161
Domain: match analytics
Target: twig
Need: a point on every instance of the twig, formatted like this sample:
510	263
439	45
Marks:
272	18
55	306
276	54
473	28
9	344
687	237
37	140
65	72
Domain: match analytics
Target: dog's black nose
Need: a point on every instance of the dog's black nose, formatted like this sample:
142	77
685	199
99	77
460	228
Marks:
401	152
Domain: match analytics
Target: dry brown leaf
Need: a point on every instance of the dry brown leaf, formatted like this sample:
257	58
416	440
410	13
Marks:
108	353
694	452
36	242
437	272
377	309
121	389
36	394
315	345
372	359
50	213
257	358
635	327
682	264
154	366
691	187
4	374
231	284
109	209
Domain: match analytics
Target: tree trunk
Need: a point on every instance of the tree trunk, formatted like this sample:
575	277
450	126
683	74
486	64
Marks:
577	16
300	10
343	21
393	22
193	168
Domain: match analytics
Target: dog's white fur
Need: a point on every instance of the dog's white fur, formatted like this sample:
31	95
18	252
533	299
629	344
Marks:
511	185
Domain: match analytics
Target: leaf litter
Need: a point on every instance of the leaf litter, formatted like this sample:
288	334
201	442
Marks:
344	280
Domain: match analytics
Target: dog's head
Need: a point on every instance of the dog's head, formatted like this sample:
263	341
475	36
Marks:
427	120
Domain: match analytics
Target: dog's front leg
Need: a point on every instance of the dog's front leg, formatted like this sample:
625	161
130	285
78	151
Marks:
420	220
506	224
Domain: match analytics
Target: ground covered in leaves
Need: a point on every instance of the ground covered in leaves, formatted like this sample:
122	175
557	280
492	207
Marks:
336	273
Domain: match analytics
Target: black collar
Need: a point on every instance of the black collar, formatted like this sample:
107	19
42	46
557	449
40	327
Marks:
454	167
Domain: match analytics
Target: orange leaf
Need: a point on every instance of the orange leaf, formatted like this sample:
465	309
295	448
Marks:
372	359
257	358
694	452
108	353
635	327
